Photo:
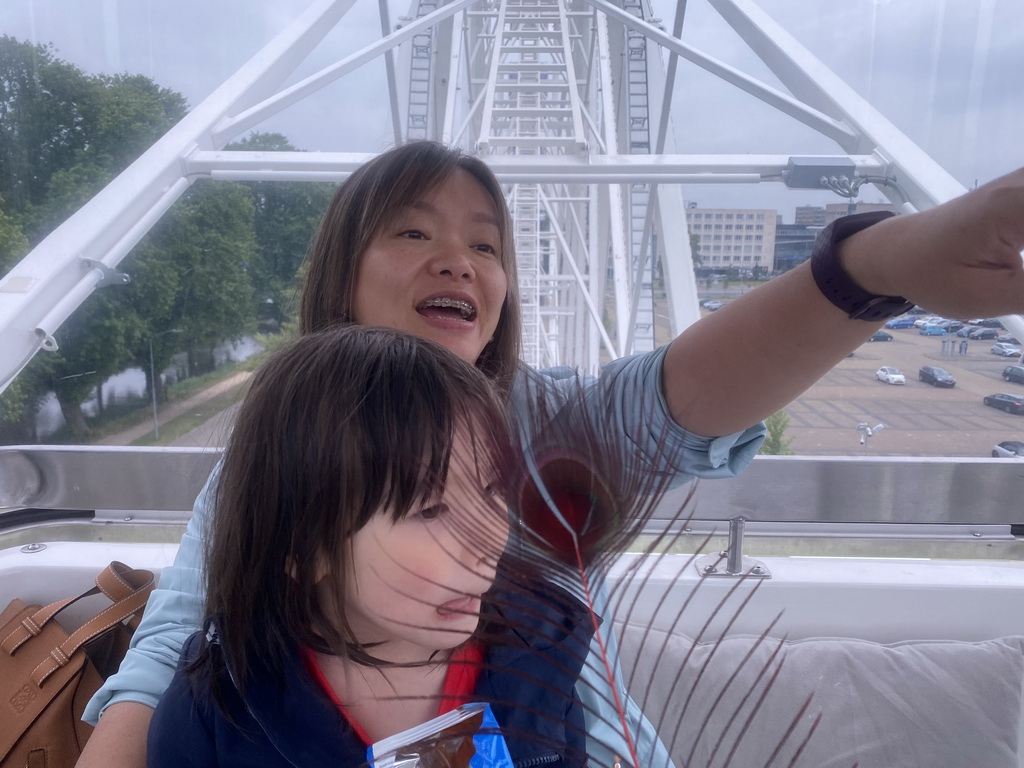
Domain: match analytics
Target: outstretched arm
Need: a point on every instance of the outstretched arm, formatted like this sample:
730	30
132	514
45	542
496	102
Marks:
756	354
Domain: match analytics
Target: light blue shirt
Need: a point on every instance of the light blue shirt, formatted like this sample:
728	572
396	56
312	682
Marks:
626	400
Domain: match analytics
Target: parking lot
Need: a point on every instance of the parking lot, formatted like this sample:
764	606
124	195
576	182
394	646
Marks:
919	419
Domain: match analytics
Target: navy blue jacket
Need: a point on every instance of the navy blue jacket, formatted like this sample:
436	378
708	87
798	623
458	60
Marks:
528	678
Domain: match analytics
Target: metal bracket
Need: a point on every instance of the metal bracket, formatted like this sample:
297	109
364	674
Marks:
731	562
110	275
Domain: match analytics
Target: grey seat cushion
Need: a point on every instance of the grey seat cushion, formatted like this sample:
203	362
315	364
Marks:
933	704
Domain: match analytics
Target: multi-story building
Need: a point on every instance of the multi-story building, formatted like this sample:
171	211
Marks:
818	216
809	216
734	237
793	244
835	211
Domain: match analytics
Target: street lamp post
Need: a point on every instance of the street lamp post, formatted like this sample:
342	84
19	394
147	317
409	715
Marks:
152	378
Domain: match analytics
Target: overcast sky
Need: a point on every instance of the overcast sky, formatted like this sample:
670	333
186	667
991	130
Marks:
948	73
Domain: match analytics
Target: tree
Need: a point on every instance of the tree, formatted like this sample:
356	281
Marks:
221	255
698	258
128	114
775	443
19	403
63	136
136	112
285	215
215	242
47	108
13	243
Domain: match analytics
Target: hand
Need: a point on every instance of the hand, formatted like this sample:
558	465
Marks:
960	259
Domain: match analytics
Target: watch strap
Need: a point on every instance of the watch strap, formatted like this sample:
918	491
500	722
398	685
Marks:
836	284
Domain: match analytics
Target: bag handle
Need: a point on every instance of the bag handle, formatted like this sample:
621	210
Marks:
118	581
131	588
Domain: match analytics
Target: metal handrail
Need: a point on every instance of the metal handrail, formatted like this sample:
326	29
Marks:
161	484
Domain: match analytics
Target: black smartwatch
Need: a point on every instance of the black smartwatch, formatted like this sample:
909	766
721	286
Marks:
834	282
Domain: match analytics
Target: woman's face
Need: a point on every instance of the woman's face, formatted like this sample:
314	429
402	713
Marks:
436	272
415	585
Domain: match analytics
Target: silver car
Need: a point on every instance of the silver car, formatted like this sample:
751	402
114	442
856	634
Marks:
1005	349
1008	449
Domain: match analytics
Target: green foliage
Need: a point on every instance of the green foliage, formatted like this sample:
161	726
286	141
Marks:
13	243
698	258
776	443
20	401
213	244
46	109
224	256
136	112
63	136
285	215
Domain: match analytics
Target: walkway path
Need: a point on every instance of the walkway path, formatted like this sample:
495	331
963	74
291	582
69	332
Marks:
172	411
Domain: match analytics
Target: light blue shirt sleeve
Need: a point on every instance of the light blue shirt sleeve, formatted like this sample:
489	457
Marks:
174	611
628	404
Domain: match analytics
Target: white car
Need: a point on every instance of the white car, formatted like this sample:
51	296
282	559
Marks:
921	322
1009	449
1005	349
890	375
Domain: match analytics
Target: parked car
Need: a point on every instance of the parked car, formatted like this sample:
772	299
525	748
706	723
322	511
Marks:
1006	350
1014	373
967	329
988	322
890	375
1008	338
903	321
932	330
921	322
1008	449
937	377
1005	402
981	334
951	326
713	304
881	336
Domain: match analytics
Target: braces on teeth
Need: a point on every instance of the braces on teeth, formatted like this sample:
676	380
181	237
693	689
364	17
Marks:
465	307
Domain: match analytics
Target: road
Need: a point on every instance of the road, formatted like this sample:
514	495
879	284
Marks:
213	432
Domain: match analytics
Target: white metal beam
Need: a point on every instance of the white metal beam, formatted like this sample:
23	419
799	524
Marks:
231	127
924	181
42	290
571	151
589	168
785	103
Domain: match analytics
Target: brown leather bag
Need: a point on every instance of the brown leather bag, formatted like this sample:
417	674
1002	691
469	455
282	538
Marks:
47	676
